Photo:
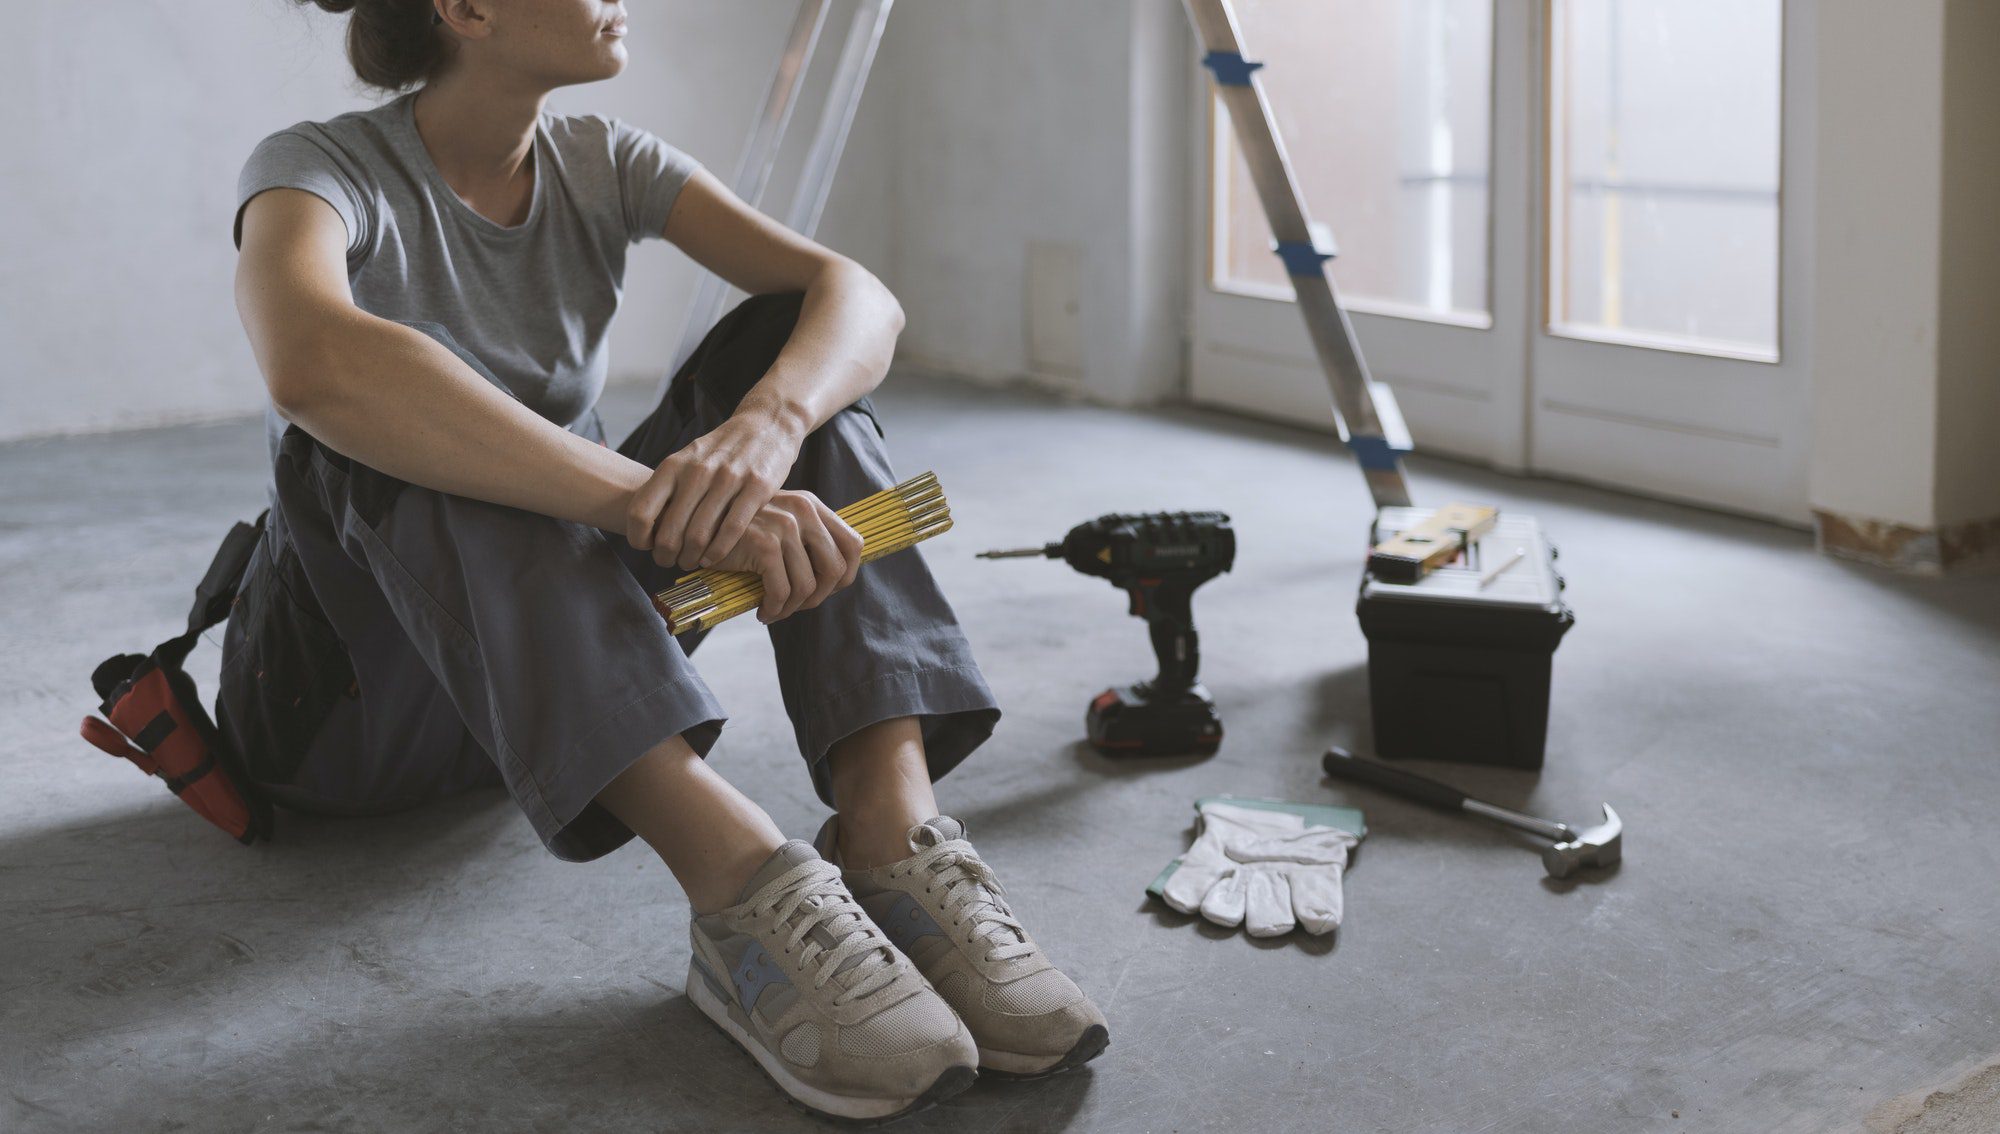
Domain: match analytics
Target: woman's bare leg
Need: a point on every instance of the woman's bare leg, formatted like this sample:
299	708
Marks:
709	834
882	788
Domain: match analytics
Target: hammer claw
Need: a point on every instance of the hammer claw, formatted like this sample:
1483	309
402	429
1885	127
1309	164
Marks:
1597	846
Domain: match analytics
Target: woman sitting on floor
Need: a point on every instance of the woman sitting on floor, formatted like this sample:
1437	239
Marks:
454	580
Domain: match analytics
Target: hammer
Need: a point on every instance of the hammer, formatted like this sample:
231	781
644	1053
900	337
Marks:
1600	845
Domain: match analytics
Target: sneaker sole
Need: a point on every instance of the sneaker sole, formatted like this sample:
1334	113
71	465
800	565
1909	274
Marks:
846	1109
1011	1065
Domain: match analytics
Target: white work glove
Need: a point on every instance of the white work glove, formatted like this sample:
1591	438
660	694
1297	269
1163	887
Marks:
1260	868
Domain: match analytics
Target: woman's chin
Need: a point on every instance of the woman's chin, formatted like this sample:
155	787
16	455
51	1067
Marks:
609	64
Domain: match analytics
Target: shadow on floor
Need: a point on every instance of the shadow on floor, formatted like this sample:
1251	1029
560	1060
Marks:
1966	601
618	1060
145	915
1171	918
150	906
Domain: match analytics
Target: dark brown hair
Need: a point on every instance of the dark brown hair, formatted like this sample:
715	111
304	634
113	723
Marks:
393	44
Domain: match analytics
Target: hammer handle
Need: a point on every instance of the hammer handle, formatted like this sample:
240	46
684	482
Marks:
1344	765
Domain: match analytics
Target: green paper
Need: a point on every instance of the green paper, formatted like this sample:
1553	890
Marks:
1340	818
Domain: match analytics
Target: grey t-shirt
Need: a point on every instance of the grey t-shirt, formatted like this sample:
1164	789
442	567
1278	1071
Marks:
534	302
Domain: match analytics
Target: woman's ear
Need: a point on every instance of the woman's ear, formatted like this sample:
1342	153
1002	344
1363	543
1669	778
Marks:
467	19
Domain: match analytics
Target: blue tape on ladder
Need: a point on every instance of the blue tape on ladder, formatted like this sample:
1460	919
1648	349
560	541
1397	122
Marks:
1231	69
1302	258
1375	452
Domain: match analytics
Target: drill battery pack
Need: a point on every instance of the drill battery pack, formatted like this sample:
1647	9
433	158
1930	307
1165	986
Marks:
1459	661
1131	720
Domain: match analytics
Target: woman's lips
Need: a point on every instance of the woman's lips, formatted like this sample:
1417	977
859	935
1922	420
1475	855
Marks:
615	28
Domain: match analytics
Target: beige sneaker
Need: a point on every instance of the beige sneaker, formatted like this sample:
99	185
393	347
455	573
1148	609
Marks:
798	976
943	908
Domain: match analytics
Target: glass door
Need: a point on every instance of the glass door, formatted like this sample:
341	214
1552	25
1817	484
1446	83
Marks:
1388	109
1672	259
1561	234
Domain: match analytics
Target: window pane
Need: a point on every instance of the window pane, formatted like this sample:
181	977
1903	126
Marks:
1664	178
1386	110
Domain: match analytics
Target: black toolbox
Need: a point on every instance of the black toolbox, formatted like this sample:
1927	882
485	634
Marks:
1459	661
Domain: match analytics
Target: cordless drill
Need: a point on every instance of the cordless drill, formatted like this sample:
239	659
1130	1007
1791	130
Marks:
1158	559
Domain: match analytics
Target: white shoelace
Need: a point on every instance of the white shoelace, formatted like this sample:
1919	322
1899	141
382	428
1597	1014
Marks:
971	895
810	896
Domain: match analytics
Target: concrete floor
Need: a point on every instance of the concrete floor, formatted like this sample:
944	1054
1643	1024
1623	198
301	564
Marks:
1804	752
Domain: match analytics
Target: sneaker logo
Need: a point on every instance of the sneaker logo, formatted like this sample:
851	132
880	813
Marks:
754	972
906	923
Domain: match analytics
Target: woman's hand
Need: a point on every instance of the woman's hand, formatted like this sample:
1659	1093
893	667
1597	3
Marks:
801	548
701	500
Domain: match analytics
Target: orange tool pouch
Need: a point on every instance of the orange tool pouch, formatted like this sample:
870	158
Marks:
154	717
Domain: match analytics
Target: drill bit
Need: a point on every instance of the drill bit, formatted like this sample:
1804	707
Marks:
1048	552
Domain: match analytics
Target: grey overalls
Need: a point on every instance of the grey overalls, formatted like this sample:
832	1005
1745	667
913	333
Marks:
394	644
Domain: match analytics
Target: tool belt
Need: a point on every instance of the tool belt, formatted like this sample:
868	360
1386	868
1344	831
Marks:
154	717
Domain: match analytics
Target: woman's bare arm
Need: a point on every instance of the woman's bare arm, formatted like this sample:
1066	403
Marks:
390	396
701	499
847	332
394	399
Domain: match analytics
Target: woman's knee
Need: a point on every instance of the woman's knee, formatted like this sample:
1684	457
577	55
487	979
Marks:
846	458
743	347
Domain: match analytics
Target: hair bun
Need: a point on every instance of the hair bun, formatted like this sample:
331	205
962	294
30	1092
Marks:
393	44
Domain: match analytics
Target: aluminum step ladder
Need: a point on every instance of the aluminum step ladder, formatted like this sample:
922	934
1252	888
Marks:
869	20
1365	411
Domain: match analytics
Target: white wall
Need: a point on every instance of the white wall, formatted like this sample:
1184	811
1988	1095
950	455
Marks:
128	125
1042	120
1876	259
1906	382
1968	466
987	126
118	165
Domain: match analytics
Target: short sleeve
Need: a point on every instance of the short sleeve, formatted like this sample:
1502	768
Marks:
290	159
651	174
